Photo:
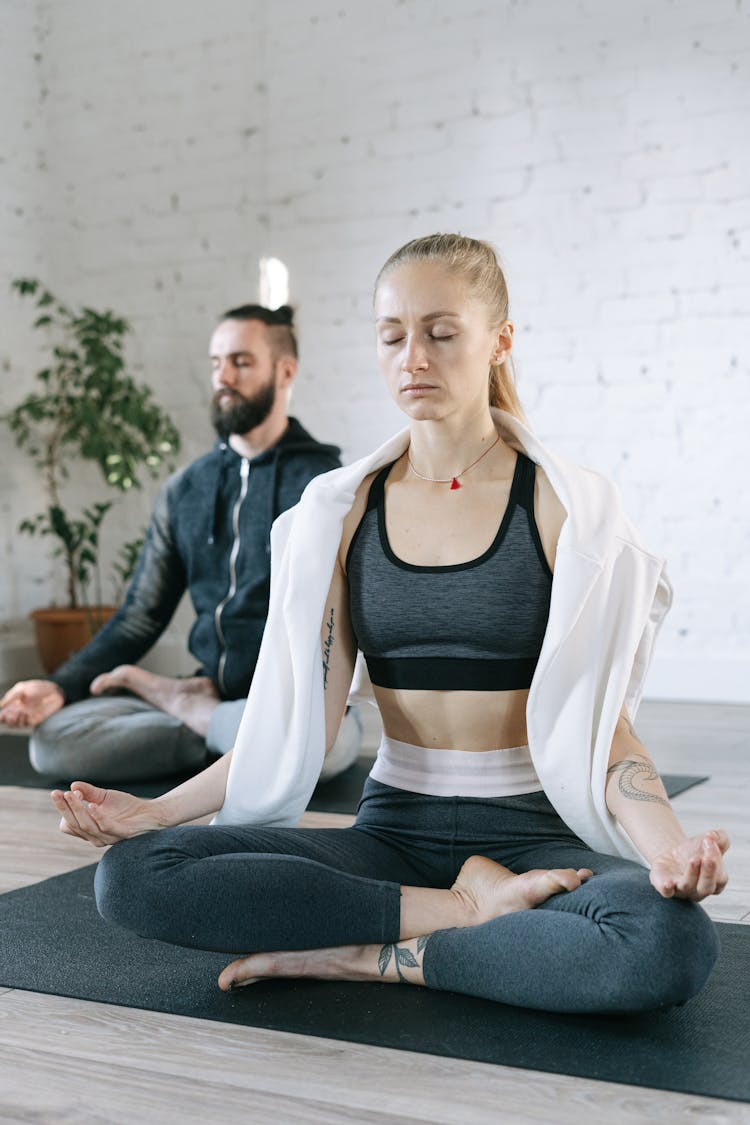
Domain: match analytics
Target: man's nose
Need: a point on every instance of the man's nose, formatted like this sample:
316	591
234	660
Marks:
226	372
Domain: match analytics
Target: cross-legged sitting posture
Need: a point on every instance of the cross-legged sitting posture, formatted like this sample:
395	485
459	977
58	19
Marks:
514	840
102	716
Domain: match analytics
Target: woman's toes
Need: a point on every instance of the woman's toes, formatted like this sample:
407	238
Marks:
545	884
237	974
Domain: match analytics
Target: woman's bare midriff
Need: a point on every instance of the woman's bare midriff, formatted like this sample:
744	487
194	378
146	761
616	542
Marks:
454	720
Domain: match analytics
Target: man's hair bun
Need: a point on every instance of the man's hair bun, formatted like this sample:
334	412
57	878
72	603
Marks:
281	318
284	314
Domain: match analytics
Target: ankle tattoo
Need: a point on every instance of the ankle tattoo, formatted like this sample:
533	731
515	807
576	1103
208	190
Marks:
402	957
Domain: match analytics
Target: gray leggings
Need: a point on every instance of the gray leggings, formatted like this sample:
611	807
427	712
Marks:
612	945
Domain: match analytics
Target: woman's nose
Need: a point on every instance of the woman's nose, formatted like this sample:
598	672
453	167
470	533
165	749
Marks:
415	357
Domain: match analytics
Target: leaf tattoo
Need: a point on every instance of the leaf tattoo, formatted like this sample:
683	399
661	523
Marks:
406	957
401	956
384	958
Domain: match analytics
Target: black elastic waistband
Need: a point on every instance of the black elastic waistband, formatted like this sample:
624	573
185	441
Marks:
441	673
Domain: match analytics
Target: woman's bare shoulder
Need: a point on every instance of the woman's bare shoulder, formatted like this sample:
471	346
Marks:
354	517
549	513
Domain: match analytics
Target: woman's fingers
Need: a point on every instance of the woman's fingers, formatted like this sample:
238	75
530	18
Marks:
77	818
713	862
706	882
720	837
664	884
58	800
82	812
68	823
704	874
94	794
85	815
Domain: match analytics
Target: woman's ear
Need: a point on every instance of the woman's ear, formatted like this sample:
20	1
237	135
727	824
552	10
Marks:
503	342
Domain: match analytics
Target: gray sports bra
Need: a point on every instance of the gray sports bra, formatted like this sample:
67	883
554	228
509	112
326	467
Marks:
473	626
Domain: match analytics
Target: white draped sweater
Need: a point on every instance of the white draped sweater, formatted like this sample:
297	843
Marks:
609	597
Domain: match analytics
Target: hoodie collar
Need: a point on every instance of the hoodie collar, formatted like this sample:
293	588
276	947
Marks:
295	439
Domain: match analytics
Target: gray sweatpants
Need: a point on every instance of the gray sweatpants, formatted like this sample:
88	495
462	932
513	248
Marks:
119	738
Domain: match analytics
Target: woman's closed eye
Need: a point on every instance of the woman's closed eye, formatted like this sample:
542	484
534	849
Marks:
390	341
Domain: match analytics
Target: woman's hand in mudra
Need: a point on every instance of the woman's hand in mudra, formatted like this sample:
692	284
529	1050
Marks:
104	816
693	869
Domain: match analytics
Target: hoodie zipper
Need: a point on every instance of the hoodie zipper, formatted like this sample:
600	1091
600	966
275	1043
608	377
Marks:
244	478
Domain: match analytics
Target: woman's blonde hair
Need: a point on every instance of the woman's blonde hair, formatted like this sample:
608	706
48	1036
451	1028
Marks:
477	262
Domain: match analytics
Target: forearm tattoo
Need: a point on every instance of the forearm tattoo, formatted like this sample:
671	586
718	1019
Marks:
327	646
401	956
631	771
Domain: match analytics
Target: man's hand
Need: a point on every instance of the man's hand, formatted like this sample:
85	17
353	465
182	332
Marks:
104	816
30	702
692	869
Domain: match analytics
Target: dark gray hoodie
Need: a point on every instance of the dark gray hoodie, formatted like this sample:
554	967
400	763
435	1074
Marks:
209	535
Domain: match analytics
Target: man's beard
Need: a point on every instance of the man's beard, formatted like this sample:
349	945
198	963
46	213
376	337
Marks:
233	413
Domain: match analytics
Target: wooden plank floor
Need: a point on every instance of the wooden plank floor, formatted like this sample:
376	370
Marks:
71	1061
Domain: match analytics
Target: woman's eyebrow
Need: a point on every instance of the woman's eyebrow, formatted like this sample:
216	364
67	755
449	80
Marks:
428	316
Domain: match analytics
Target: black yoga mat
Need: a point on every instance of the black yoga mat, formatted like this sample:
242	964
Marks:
54	941
340	795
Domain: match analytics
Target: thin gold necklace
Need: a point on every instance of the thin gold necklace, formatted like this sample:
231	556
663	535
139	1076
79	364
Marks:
452	481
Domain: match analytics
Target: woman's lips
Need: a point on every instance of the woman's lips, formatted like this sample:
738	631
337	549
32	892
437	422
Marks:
417	389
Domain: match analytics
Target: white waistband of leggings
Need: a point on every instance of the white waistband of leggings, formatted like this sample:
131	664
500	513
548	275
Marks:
455	773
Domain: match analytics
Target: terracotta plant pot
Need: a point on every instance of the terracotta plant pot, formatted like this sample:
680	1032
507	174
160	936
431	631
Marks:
61	632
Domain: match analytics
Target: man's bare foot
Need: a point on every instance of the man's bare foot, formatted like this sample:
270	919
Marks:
487	889
192	700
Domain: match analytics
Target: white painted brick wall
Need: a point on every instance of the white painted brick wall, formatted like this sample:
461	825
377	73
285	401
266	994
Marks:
601	146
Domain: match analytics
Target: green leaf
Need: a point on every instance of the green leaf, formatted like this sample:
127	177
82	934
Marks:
26	286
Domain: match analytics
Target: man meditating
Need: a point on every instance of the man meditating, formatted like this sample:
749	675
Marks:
209	535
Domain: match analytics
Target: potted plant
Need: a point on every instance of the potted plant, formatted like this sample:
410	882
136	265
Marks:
85	407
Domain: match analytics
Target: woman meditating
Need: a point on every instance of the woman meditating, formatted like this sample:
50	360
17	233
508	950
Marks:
514	840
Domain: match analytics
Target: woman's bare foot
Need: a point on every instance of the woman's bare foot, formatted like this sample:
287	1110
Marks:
488	890
192	700
346	962
483	890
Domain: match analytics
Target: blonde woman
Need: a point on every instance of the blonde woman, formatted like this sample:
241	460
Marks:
514	840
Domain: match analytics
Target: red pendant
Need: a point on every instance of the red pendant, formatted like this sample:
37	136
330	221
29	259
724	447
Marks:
454	484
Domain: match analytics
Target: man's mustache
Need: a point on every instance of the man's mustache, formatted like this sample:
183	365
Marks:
228	392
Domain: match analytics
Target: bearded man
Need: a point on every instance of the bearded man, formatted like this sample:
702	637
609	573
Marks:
101	716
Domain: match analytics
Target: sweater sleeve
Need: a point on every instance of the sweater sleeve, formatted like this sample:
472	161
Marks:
151	600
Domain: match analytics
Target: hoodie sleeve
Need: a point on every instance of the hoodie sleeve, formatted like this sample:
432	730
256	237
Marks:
150	602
